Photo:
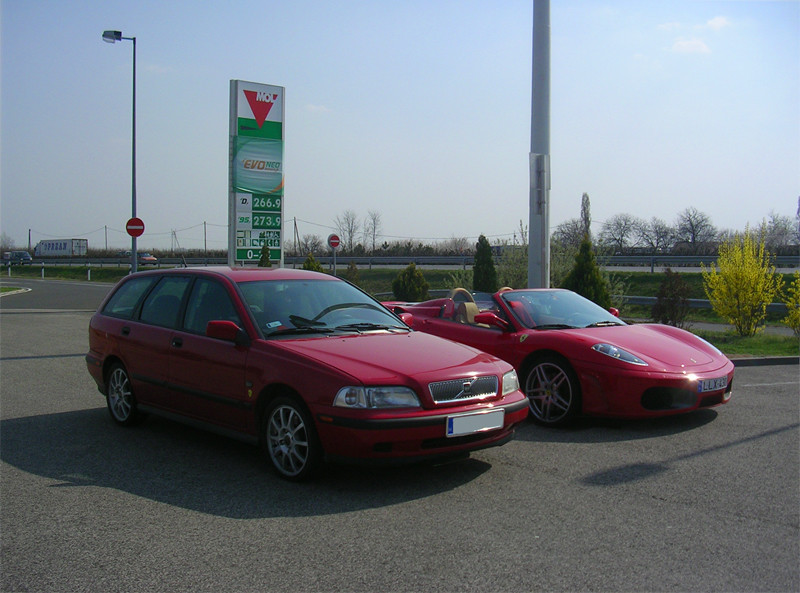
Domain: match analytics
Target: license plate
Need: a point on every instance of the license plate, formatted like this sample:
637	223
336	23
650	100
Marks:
462	424
712	384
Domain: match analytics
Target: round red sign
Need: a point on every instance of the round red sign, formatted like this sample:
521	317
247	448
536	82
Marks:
135	227
334	241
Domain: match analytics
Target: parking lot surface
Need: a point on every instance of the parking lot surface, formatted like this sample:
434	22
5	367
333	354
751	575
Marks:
703	502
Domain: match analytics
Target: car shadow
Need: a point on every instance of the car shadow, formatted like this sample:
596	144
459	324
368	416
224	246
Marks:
611	430
171	463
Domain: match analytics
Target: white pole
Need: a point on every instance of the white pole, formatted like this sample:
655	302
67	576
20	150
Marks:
539	213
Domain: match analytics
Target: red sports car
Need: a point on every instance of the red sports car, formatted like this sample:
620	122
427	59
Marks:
575	357
303	363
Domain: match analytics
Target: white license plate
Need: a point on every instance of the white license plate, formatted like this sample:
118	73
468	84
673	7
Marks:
712	384
462	424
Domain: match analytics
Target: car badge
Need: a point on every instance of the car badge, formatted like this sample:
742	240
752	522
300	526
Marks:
523	337
466	386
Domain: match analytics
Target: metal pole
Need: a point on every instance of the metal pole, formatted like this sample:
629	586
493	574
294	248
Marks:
539	213
134	257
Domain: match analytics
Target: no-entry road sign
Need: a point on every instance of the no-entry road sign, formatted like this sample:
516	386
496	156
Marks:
334	241
135	227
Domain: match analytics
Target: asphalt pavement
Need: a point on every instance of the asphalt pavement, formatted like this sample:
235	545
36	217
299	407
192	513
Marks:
708	501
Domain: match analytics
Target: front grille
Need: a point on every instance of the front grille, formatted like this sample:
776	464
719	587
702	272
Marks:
668	398
463	389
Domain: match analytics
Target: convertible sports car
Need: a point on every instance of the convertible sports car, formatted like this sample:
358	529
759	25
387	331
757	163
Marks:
575	357
303	363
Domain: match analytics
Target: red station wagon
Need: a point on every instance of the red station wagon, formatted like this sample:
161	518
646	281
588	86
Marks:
303	363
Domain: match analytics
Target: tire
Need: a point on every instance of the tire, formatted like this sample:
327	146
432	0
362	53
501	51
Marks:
289	440
120	399
553	391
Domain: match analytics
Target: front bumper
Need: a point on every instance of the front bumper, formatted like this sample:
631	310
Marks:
649	393
391	438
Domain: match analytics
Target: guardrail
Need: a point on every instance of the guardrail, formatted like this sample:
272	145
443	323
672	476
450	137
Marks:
462	261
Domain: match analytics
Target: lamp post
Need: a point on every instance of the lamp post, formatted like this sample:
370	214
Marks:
113	37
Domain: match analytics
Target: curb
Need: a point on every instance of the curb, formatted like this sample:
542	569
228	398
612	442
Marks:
764	361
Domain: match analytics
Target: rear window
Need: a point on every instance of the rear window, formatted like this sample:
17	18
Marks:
123	302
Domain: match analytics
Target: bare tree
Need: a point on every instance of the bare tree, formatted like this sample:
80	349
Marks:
6	242
656	235
457	246
619	232
780	231
695	228
311	244
372	228
569	233
347	227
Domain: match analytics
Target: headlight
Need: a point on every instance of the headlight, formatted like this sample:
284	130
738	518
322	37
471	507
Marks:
619	354
510	382
376	397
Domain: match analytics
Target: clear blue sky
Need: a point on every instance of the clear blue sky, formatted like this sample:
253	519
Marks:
418	109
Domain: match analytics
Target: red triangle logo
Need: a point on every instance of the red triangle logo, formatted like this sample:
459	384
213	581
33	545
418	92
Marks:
260	108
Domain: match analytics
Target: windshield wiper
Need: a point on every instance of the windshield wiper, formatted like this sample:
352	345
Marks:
287	331
555	326
364	326
303	322
604	324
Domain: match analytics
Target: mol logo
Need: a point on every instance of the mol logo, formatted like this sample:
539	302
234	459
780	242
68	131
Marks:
261	103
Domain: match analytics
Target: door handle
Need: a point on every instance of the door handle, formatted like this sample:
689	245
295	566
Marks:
177	342
126	330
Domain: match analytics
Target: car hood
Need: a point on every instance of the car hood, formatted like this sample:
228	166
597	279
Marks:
393	358
662	345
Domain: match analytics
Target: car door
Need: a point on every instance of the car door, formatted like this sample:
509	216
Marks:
210	373
148	341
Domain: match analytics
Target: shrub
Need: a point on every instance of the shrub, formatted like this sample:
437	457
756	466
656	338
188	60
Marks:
312	264
460	279
745	283
792	300
672	302
351	273
410	285
263	261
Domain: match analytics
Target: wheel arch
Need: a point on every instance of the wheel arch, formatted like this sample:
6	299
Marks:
108	364
270	392
535	356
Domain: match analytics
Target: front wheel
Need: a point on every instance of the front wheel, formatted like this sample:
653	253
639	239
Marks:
120	399
289	439
553	390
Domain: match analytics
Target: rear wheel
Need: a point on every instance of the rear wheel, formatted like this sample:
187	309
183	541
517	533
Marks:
289	439
553	390
120	399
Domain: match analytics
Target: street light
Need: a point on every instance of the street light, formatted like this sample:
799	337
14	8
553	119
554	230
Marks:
113	37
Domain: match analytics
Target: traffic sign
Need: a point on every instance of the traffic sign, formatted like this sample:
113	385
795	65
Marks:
334	241
135	227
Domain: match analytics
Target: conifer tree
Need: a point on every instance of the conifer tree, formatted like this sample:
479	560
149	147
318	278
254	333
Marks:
585	277
484	275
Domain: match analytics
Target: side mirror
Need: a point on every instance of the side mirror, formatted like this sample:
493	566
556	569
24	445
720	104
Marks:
614	311
491	319
227	331
407	318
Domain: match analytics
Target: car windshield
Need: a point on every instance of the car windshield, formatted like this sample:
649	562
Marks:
556	309
297	307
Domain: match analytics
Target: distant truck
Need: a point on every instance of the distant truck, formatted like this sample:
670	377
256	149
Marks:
61	247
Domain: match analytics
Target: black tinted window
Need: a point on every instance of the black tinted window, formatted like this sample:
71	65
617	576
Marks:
162	306
209	301
123	302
